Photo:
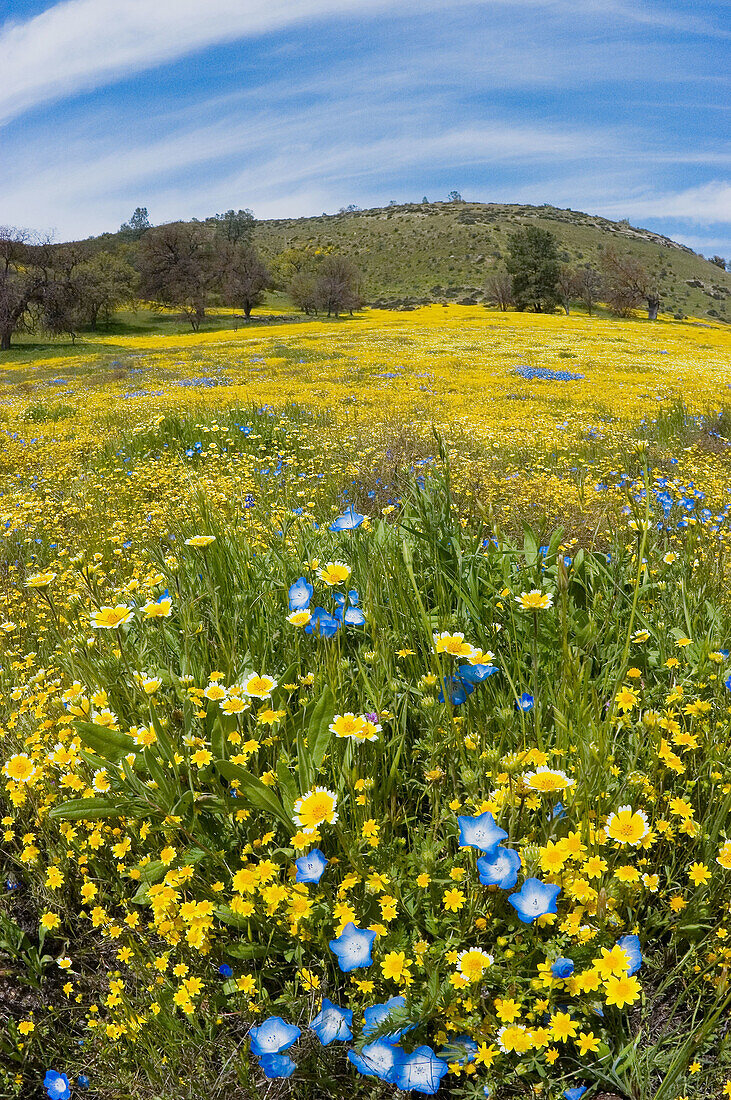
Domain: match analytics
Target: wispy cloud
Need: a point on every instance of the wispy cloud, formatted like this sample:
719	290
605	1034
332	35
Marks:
77	45
708	204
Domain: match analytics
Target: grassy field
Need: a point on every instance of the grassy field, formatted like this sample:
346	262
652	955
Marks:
365	708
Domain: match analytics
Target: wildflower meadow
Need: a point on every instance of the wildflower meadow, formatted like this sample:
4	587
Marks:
365	709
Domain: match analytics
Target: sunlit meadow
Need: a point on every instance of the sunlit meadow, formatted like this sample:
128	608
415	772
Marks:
365	693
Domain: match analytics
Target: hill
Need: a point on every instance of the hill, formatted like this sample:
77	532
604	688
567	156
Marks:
425	252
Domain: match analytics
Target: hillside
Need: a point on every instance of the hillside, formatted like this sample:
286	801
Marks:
419	253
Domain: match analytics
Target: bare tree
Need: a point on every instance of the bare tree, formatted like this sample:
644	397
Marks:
589	286
244	276
629	284
20	283
177	268
499	289
338	285
566	286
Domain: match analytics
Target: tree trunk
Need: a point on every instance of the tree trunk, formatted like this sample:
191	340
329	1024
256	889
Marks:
247	312
653	305
5	339
92	319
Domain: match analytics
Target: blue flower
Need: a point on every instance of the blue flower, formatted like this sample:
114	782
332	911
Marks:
562	967
56	1085
300	594
464	682
499	868
727	681
421	1071
273	1036
525	702
575	1093
322	623
557	812
631	944
332	1022
351	616
277	1065
225	970
310	867
378	1059
353	947
82	1081
349	520
377	1015
534	899
480	832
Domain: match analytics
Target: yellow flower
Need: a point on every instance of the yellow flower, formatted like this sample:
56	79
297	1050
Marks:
587	1041
26	1027
423	880
40	580
234	704
626	699
50	921
699	874
315	808
347	725
507	1009
453	900
299	618
395	965
200	540
453	644
535	600
473	963
109	618
201	758
546	781
627	826
514	1038
20	768
724	855
335	572
622	990
259	687
612	962
562	1027
158	609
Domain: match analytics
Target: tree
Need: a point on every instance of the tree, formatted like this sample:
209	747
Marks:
235	226
499	289
628	284
106	282
302	289
566	286
534	268
177	268
244	276
454	196
60	293
589	286
20	284
137	225
337	285
718	261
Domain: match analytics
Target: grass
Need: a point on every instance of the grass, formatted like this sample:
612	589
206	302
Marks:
151	913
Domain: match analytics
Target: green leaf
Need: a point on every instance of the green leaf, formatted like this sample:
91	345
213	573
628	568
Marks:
286	784
530	546
87	809
109	744
247	950
255	791
319	733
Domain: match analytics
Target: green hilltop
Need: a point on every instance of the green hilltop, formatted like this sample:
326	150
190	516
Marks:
443	251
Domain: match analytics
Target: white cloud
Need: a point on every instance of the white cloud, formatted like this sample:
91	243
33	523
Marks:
76	45
707	204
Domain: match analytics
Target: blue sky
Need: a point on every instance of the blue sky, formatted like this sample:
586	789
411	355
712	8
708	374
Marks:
295	107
